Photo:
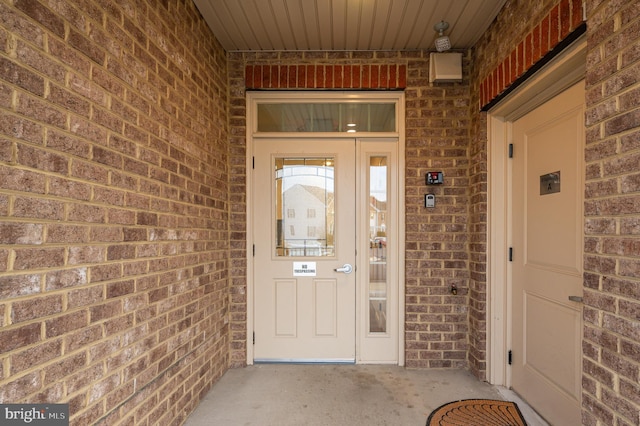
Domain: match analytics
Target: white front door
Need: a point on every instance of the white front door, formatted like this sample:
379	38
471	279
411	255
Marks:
547	229
305	255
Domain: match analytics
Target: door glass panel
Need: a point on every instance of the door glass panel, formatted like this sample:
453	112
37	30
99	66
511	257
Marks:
378	285
327	117
305	215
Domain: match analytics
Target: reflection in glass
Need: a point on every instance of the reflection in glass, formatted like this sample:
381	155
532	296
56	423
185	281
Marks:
378	285
326	117
304	206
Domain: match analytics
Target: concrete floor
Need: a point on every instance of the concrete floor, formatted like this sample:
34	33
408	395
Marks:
286	394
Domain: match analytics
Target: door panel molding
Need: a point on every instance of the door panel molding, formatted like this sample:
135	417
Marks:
285	296
325	297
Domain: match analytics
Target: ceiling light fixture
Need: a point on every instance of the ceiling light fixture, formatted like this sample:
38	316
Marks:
442	42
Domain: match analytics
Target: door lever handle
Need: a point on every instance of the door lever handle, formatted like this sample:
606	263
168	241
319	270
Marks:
576	299
346	268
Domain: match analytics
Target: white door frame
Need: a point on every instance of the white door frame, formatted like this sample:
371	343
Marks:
556	76
252	135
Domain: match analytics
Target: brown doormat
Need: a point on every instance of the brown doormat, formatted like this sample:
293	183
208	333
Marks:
477	412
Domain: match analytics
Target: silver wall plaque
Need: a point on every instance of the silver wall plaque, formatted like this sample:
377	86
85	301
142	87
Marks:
550	183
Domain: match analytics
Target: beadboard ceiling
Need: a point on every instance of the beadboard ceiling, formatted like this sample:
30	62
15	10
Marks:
303	25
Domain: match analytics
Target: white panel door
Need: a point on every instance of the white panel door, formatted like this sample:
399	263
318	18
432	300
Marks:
305	236
547	229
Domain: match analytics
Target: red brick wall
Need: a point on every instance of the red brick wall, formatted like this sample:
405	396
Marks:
437	137
326	76
114	223
611	342
544	35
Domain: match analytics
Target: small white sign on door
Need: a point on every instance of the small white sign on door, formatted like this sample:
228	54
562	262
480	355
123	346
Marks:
304	269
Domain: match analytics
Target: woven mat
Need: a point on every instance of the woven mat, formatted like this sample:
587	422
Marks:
477	412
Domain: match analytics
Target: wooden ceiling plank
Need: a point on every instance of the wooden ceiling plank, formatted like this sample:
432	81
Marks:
365	27
352	30
396	15
250	25
339	24
423	27
474	19
408	25
323	25
380	25
239	26
297	24
214	19
254	13
279	15
310	23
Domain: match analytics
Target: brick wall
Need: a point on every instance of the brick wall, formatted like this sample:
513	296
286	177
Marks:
326	76
611	342
437	138
114	209
611	345
543	31
478	168
122	202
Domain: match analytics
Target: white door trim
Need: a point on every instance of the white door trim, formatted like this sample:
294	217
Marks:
251	136
559	74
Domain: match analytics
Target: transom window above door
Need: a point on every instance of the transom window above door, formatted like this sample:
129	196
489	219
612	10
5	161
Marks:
349	117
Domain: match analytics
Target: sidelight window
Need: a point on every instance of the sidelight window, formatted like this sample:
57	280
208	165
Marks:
378	284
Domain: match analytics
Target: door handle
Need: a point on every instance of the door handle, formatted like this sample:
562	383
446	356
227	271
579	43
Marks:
346	268
576	299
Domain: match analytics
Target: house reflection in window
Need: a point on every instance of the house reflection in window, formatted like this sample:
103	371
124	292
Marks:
305	191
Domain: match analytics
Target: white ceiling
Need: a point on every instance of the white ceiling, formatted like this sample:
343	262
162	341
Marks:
276	25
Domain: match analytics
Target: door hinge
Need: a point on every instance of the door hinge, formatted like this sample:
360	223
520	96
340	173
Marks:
510	150
510	254
509	357
254	337
253	162
254	250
